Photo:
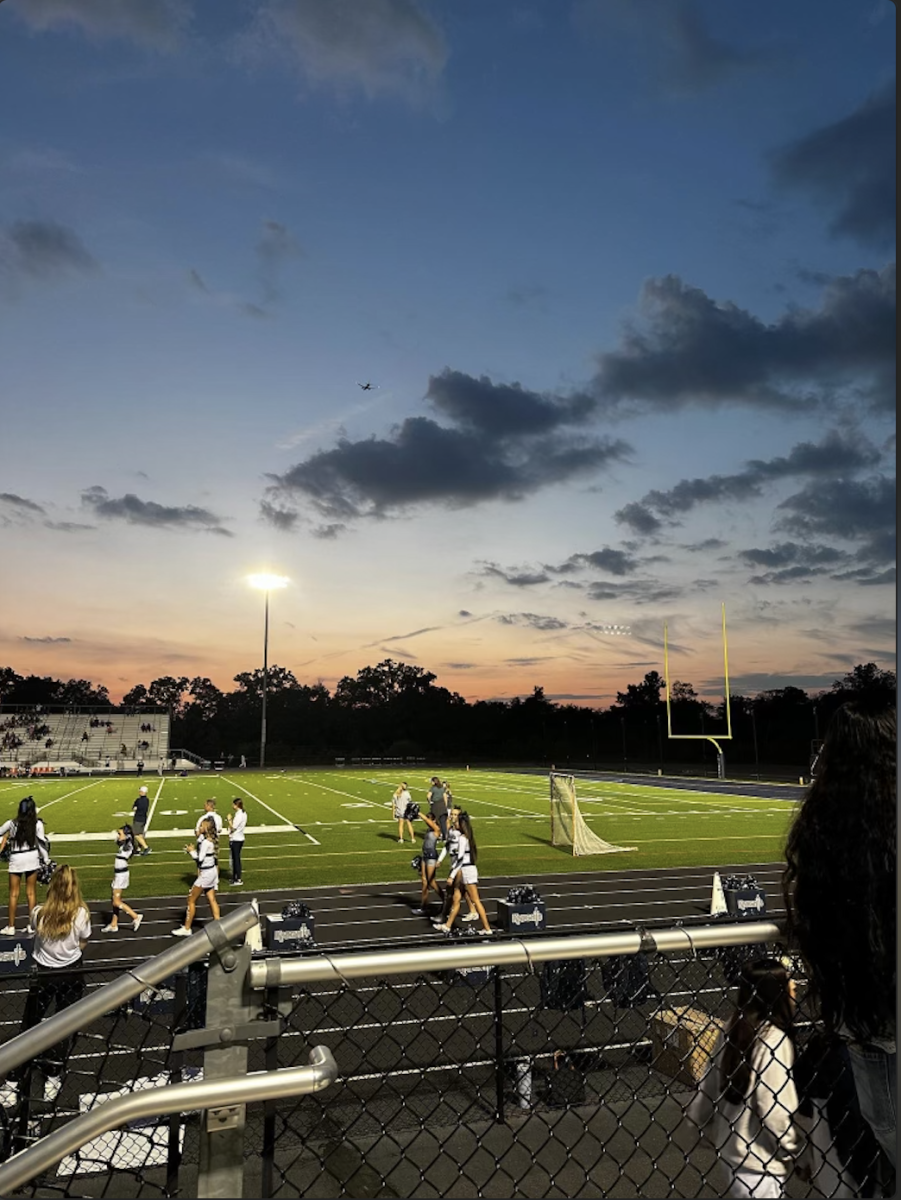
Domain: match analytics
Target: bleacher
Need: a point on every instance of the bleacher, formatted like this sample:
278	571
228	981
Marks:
116	742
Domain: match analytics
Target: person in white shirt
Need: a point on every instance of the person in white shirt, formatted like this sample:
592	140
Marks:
209	810
402	798
62	927
746	1104
237	824
206	855
29	849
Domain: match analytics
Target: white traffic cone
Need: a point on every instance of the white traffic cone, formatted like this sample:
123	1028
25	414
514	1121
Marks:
718	899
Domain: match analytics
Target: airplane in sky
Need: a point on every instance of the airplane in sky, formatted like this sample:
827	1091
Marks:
367	387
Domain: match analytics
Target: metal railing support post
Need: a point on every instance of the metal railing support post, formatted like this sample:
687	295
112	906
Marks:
498	1046
228	1007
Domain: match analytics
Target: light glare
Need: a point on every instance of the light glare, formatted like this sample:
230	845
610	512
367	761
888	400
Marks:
268	583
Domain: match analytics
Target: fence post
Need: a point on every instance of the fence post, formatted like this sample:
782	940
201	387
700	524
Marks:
498	1046
228	1006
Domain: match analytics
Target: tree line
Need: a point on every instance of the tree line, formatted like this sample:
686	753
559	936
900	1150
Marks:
393	709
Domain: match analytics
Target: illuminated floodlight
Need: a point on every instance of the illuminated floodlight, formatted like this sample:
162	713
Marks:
268	583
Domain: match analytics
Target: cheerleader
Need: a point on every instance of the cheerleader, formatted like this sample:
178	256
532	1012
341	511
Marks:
125	848
237	823
402	798
205	854
464	852
29	849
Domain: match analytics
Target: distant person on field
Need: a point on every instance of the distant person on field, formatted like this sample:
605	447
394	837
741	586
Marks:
237	823
62	927
746	1103
125	847
209	810
402	798
206	854
139	820
840	893
243	762
28	848
439	794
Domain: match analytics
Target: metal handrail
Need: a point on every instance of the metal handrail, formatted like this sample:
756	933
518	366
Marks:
217	935
162	1101
276	972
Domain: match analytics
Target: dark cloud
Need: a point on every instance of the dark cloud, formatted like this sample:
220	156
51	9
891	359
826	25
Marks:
502	411
281	518
459	666
46	641
42	251
504	444
791	553
525	293
157	25
876	627
68	526
464	612
328	533
135	511
856	510
753	682
693	351
704	546
402	637
19	503
532	621
848	167
514	578
616	562
638	591
837	453
382	47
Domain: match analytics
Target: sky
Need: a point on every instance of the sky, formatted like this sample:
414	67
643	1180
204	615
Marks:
622	280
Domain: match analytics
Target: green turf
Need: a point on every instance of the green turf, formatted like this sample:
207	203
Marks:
347	835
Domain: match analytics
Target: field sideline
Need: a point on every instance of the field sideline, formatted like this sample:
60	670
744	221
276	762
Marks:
332	827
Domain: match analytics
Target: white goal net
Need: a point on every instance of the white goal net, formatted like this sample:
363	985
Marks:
568	826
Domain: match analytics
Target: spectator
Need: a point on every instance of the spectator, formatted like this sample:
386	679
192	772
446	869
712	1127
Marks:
746	1101
439	797
840	894
430	859
62	927
237	823
29	848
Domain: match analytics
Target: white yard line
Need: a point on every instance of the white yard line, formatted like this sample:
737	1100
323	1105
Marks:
153	807
281	817
44	807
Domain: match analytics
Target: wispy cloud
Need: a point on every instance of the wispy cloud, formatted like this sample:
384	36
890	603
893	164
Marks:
131	509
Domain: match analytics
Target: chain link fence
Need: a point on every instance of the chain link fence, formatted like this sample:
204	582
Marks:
566	1077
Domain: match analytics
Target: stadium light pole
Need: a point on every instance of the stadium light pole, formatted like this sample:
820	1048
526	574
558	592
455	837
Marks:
266	584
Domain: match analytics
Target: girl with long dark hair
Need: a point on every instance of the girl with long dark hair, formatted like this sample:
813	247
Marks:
237	824
125	848
840	893
746	1101
29	849
62	927
465	852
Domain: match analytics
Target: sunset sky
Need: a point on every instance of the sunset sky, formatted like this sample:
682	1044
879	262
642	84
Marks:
621	276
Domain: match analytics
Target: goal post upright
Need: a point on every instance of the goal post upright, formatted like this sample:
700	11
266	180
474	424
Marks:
696	737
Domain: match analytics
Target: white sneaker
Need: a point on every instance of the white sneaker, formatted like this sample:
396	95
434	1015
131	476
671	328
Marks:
29	931
470	917
442	928
9	1094
136	923
8	931
400	841
110	929
485	932
181	932
52	1088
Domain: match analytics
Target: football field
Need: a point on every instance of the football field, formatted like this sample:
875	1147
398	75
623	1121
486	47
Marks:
332	827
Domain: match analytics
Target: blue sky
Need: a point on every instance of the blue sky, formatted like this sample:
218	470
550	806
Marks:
622	278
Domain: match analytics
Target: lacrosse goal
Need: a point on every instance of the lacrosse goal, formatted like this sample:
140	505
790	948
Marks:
568	827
